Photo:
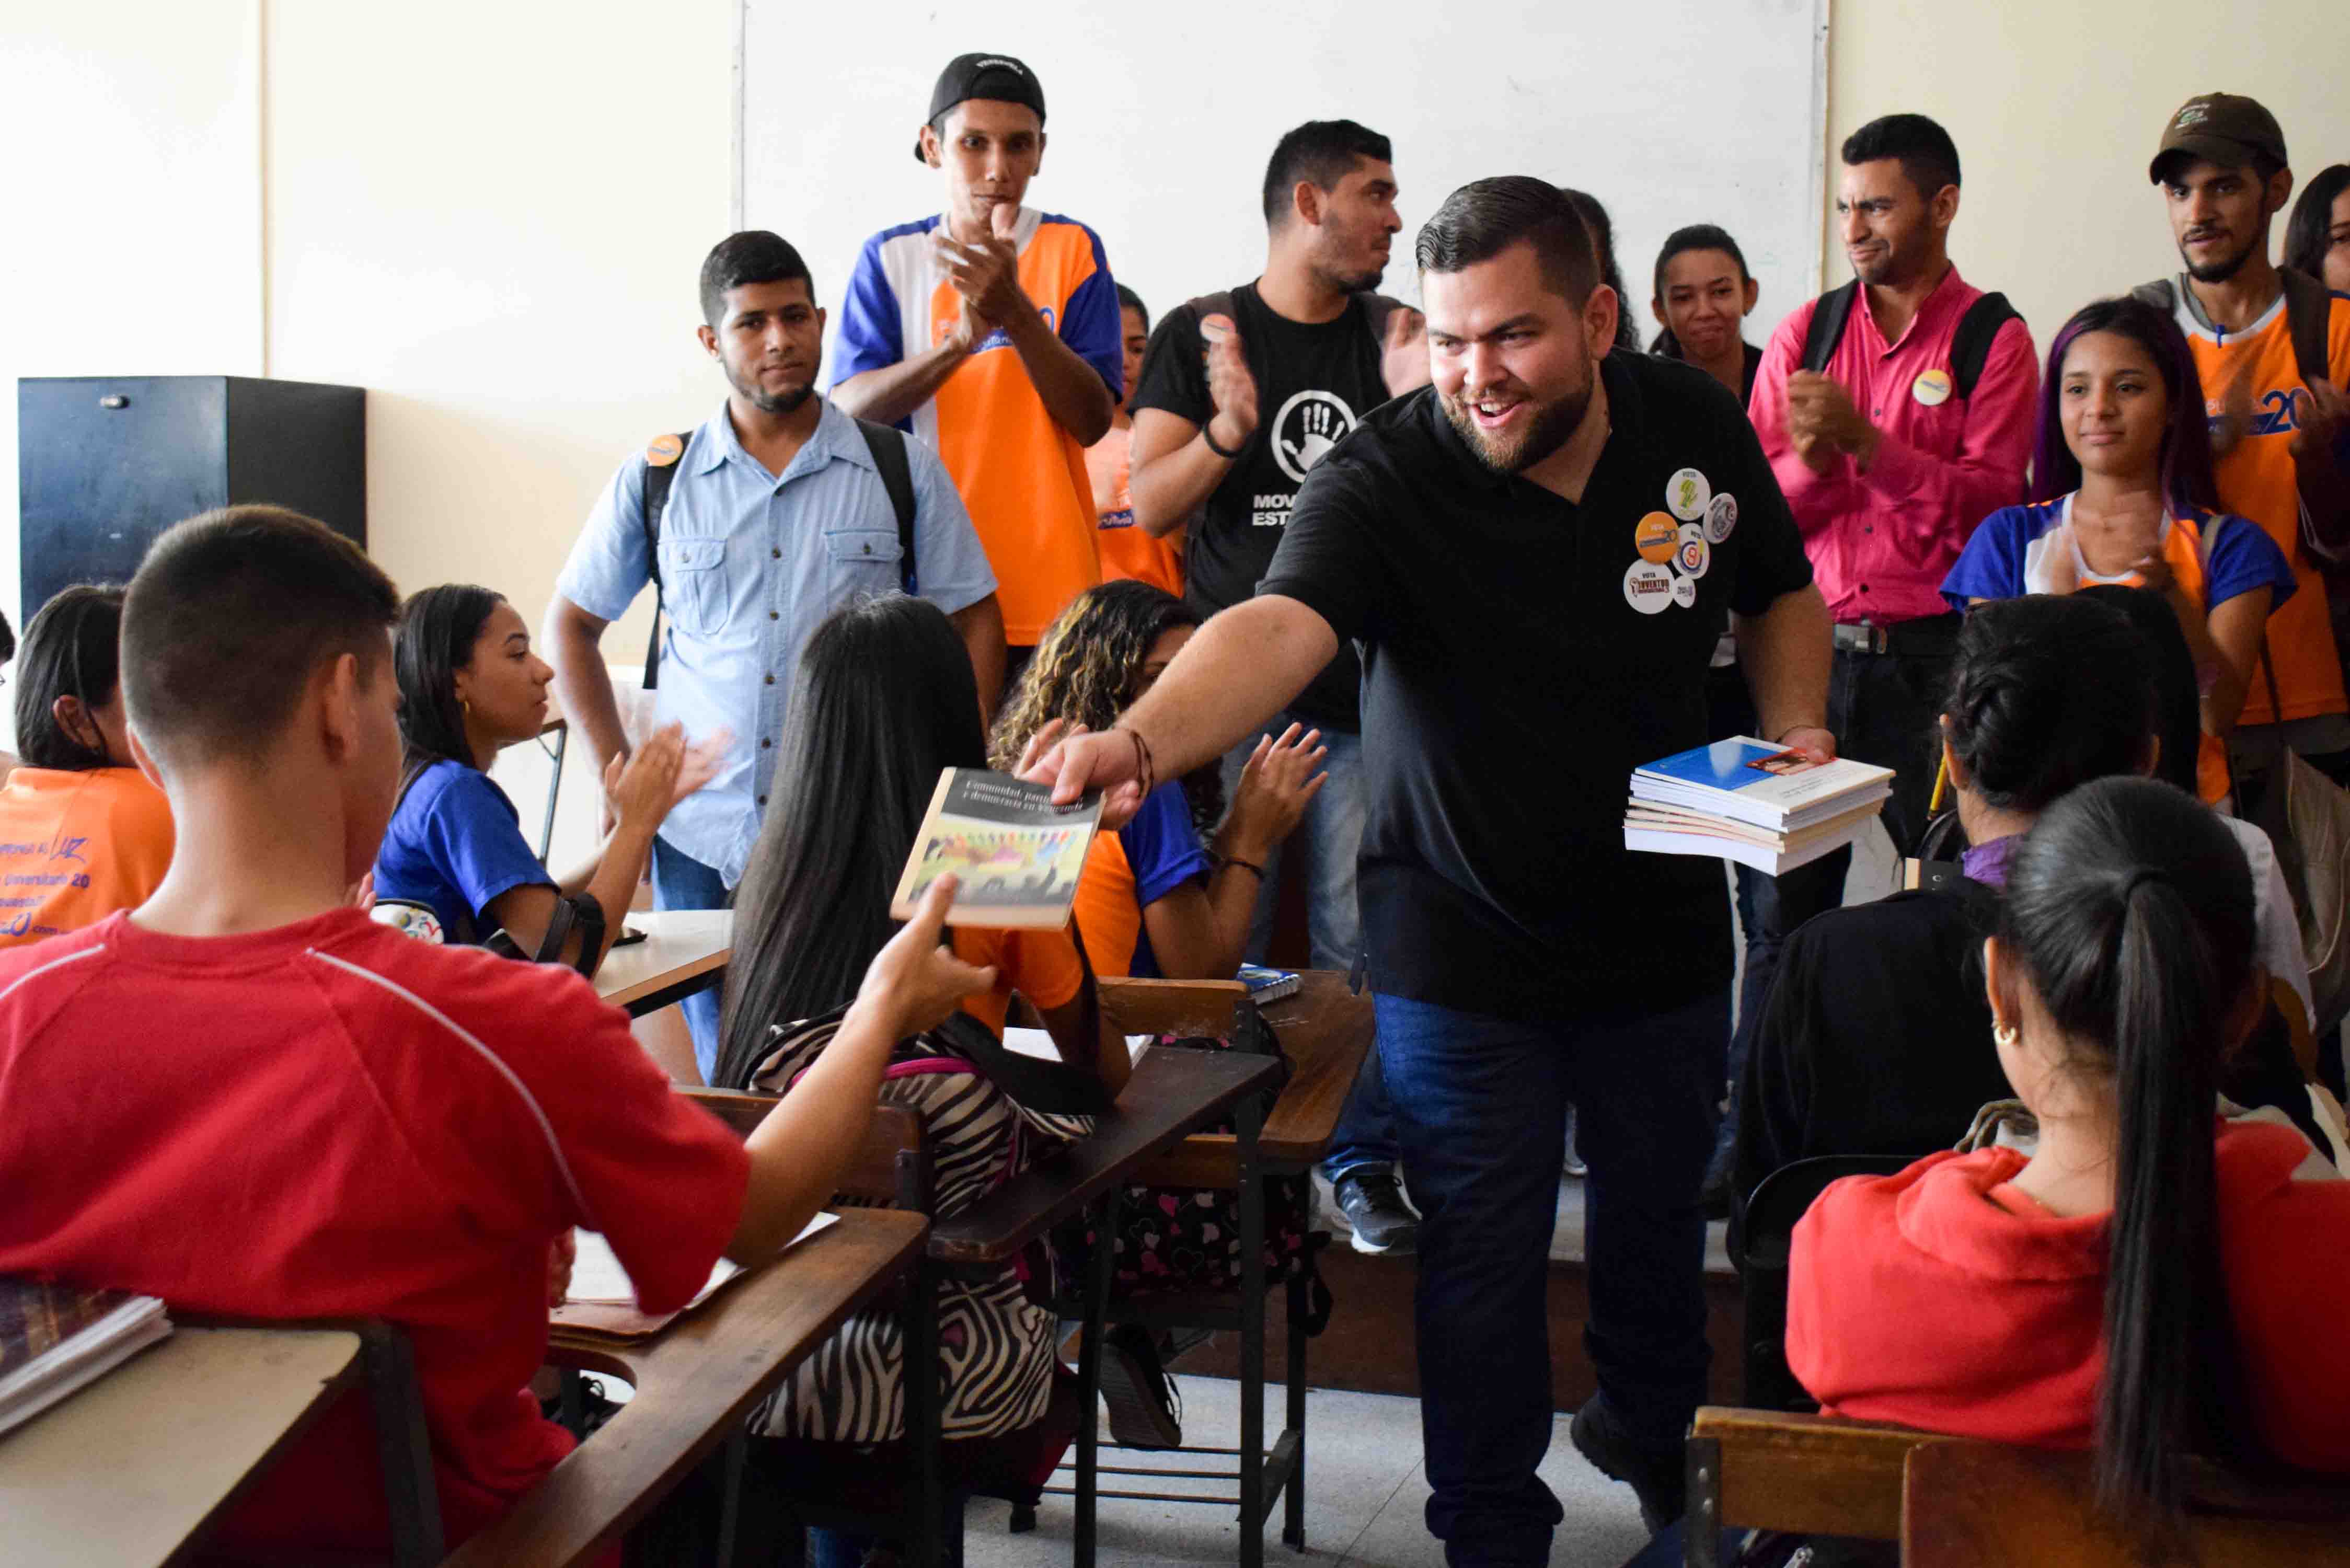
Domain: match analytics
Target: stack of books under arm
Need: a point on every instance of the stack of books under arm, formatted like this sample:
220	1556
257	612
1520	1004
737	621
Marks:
1751	802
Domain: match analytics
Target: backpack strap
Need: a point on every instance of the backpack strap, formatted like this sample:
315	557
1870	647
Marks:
660	471
887	445
2308	306
1826	329
1971	344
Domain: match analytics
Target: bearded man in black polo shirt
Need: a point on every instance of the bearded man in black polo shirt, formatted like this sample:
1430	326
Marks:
1534	555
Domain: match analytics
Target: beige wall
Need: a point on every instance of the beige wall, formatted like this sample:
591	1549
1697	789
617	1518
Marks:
2057	107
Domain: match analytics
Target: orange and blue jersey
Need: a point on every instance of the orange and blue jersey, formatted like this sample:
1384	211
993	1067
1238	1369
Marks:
1022	476
2257	479
2214	557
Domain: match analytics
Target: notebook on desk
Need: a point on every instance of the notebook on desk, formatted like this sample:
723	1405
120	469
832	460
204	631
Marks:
603	1302
57	1338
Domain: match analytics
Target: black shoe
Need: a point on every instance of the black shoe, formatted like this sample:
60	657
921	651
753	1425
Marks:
1145	1411
1372	1204
1656	1476
1575	1166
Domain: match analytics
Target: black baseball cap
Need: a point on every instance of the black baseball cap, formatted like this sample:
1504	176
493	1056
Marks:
2223	128
997	77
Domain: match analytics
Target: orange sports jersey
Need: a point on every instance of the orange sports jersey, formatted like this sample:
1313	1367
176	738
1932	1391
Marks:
2257	480
1126	550
1022	476
76	846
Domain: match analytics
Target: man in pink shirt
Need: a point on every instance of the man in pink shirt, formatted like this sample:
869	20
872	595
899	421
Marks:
1897	412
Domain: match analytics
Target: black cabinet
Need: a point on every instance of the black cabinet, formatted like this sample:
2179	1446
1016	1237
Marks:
105	463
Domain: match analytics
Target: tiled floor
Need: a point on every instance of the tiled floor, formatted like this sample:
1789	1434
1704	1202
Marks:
1363	1497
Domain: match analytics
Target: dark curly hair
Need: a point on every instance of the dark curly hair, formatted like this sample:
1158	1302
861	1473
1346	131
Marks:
1088	669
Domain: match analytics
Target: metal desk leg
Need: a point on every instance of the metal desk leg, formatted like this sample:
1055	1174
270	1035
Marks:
410	1495
1293	1520
554	788
1096	1314
1248	1121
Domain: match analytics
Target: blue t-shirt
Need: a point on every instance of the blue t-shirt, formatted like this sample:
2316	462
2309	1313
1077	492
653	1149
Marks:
2030	549
455	843
1163	850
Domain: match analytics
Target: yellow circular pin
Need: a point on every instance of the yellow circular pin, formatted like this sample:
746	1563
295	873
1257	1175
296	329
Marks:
1932	388
664	450
1655	537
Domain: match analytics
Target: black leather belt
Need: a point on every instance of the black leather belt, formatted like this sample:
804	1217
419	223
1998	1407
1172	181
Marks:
1933	634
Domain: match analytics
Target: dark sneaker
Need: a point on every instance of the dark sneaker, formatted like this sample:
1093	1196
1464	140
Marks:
1575	1166
1145	1411
1372	1201
1656	1476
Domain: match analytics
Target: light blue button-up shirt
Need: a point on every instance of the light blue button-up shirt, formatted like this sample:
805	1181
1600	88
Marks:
751	564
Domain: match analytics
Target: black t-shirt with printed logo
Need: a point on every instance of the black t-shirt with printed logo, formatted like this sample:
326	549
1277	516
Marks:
1313	382
1522	655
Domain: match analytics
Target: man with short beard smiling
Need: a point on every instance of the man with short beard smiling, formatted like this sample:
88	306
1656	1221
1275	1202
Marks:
1536	554
777	515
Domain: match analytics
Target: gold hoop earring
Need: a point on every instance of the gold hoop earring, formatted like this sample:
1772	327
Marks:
2006	1036
468	707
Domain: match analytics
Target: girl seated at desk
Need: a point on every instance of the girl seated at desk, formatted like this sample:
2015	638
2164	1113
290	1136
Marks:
454	865
83	833
884	700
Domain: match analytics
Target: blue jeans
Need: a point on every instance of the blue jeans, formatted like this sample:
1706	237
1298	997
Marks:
1480	1109
1331	838
682	882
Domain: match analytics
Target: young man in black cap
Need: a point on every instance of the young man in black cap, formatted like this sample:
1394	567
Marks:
2272	348
991	331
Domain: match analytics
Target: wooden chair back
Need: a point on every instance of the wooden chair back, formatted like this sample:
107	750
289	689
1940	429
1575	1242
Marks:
891	1169
1199	1007
1813	1475
1968	1504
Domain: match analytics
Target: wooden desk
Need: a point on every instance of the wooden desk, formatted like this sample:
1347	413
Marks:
695	1383
685	951
133	1467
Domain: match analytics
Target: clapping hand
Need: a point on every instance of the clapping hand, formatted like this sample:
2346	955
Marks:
1231	389
986	272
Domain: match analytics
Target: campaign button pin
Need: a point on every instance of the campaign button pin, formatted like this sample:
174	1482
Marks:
1655	537
1649	587
1695	555
1686	494
1685	589
1932	388
1720	517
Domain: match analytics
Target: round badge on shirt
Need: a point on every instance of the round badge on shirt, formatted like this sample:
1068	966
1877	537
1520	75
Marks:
1685	588
1932	388
1649	587
1655	538
1720	517
1687	493
1695	555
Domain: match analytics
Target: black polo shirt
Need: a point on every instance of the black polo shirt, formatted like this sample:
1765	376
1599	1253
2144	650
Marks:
1522	655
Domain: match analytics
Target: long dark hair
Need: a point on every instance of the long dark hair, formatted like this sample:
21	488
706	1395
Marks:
2129	910
884	700
2047	692
2188	484
438	628
1680	242
2309	232
73	648
1085	670
1603	242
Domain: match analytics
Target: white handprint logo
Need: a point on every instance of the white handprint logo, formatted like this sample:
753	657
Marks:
1309	424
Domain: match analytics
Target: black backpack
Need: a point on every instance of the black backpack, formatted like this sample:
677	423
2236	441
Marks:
1970	345
885	442
2308	304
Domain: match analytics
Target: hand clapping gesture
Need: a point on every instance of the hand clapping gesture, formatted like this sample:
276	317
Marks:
1230	388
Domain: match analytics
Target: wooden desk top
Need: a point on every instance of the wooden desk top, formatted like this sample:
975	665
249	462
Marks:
681	947
129	1468
694	1383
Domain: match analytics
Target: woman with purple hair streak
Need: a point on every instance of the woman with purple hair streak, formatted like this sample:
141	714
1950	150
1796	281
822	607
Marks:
2124	493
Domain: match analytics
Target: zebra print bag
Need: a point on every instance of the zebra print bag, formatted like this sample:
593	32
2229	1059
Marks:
995	1345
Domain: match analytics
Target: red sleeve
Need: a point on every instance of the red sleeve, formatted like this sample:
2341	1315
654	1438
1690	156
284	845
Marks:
1935	496
2282	1254
1816	499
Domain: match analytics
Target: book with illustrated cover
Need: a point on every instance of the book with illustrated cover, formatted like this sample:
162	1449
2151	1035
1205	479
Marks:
55	1338
1755	782
1017	854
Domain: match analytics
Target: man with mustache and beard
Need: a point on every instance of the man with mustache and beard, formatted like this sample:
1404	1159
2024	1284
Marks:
777	513
1534	555
2272	348
1898	414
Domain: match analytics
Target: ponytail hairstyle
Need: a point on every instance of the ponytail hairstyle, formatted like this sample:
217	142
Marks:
2188	481
1696	237
73	648
2047	692
438	628
2129	913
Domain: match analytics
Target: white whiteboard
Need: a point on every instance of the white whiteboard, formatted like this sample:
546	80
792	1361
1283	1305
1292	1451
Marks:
1159	118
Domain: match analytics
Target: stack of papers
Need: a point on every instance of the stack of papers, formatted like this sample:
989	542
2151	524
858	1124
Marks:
55	1339
602	1301
1751	802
